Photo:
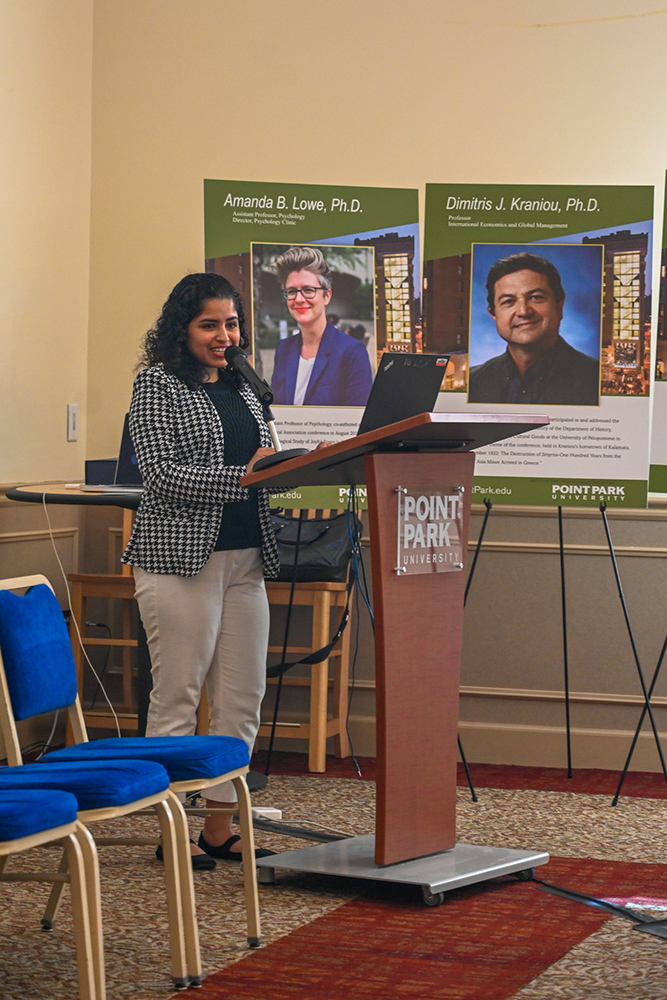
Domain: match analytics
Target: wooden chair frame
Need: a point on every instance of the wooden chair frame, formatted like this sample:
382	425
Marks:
82	875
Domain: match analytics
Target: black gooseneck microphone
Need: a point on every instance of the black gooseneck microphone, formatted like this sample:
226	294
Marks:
236	359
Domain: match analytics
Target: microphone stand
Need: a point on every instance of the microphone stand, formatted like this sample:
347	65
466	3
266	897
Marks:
282	454
236	358
271	424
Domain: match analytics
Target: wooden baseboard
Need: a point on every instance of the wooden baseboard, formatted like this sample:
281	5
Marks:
530	746
542	746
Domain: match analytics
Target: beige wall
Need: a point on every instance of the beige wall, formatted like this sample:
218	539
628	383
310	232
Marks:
114	111
378	92
45	124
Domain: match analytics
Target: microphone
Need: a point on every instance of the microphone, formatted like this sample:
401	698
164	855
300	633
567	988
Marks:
236	359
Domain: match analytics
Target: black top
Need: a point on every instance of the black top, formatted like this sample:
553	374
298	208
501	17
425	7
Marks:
239	528
562	376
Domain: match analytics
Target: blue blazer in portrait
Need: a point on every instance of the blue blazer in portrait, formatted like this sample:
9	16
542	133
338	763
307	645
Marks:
341	375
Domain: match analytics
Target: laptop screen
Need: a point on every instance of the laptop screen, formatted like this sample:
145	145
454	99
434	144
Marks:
404	385
127	470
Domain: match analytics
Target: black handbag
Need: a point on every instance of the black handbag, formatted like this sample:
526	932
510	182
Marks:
324	550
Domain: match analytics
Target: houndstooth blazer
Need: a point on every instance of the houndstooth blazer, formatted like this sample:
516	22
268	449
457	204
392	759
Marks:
179	443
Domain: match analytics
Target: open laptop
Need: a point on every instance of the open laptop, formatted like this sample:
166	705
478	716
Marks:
404	385
127	478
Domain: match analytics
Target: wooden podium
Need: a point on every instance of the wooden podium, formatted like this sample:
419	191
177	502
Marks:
418	610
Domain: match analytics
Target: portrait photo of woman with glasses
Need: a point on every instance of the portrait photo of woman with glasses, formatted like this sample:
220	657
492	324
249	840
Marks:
320	365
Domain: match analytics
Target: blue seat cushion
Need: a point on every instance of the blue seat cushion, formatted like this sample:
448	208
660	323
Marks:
36	652
185	758
93	784
23	812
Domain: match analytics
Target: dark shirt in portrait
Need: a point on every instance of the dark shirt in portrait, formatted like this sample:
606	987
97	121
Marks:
562	376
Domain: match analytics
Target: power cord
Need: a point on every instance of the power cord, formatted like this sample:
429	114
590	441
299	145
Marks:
357	556
73	618
103	668
50	736
353	678
38	749
359	572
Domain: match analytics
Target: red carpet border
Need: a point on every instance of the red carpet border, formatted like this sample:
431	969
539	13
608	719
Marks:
590	781
483	943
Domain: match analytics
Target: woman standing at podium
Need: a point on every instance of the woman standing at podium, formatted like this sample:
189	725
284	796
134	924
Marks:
202	544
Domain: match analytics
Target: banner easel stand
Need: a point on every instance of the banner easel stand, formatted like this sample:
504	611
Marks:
489	505
482	530
480	539
640	724
646	692
566	669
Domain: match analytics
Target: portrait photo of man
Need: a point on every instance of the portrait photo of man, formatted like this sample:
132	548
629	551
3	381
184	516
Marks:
527	302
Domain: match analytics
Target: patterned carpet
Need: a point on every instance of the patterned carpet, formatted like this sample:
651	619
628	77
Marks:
486	942
337	939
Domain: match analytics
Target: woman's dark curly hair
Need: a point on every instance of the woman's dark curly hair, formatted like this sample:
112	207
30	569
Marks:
167	342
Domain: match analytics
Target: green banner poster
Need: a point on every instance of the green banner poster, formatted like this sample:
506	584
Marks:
541	294
330	278
658	475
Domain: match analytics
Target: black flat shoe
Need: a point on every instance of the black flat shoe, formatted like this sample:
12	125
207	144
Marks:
223	852
200	862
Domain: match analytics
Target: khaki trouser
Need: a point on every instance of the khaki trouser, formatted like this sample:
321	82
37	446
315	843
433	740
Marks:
211	628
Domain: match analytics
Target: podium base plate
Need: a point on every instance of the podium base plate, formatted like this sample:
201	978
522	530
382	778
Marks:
353	857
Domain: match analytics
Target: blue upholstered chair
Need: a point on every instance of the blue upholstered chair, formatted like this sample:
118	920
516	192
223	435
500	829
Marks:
35	677
33	818
193	763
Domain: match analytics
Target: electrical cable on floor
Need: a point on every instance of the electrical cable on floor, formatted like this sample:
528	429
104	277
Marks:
657	926
312	822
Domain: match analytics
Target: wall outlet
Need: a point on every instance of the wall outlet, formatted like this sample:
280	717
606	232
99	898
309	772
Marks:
266	812
72	421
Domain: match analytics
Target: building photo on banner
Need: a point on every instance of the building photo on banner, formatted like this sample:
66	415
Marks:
541	294
330	277
658	477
